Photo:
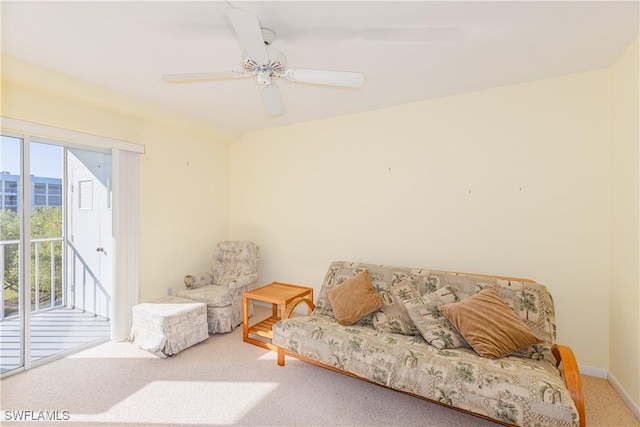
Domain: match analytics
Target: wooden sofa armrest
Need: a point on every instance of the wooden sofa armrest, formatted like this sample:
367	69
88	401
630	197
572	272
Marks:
573	380
294	303
287	315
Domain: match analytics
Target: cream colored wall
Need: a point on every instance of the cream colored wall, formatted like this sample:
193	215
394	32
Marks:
183	206
183	174
625	224
511	181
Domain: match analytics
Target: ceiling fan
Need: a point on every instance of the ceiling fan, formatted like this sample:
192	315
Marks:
260	59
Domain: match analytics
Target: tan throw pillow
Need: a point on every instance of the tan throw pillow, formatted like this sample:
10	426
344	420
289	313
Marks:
354	299
489	325
393	316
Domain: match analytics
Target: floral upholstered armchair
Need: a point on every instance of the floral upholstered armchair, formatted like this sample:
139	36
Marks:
233	271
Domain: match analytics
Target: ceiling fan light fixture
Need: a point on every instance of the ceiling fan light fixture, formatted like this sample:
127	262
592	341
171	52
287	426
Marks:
264	78
277	62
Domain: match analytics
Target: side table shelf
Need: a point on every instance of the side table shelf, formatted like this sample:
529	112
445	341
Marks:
278	294
264	328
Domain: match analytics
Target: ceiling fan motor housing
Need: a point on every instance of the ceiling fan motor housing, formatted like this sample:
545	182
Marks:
277	63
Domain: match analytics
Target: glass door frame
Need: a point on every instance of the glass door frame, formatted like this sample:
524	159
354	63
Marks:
126	186
67	195
25	249
24	267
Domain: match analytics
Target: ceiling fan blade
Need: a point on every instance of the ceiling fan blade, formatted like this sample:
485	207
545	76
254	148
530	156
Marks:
272	99
424	34
326	77
415	34
249	35
198	77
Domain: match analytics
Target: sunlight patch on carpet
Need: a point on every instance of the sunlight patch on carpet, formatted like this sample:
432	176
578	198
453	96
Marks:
201	402
114	349
268	356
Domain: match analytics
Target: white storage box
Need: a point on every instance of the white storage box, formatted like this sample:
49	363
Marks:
168	325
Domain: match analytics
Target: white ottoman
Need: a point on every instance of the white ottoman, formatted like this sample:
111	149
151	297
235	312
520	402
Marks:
168	325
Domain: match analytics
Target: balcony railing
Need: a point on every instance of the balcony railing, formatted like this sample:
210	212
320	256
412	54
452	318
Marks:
89	293
77	287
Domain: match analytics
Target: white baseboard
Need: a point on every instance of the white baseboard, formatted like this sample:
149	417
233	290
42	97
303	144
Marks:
604	374
593	372
633	406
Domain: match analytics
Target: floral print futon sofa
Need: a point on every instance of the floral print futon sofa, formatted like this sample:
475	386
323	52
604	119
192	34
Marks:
484	345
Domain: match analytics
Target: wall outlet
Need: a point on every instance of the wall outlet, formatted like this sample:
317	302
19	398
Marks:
168	292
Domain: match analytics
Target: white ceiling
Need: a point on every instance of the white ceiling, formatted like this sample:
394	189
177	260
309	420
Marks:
429	49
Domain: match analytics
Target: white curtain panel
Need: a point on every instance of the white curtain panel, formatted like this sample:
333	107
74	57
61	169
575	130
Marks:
125	235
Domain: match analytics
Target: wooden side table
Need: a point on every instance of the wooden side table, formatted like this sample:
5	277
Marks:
278	294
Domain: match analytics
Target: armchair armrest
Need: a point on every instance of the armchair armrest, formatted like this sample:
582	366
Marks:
572	378
292	306
239	284
193	281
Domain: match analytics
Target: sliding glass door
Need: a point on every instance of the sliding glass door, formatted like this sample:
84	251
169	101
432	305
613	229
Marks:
46	246
12	334
59	219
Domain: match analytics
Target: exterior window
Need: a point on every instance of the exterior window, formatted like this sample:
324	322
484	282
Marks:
85	192
39	195
11	203
11	187
55	195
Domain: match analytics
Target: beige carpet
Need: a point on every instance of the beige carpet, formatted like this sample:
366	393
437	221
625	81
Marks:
223	381
603	405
